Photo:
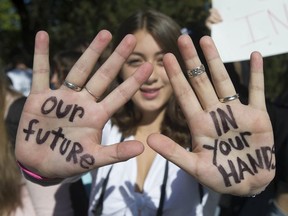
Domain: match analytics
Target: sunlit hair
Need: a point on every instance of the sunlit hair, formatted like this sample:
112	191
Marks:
10	181
165	32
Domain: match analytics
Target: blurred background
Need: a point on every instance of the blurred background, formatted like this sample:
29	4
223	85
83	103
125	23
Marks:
72	23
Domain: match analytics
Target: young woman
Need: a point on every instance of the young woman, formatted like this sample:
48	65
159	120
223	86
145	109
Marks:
153	109
66	126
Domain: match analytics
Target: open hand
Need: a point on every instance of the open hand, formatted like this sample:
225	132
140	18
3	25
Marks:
232	144
59	134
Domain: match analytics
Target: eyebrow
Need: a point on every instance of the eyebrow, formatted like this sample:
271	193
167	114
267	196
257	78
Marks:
141	54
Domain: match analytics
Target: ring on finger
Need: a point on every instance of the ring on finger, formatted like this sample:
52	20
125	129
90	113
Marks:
89	91
229	98
196	71
72	86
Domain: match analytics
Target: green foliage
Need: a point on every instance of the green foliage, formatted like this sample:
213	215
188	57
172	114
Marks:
276	75
72	23
9	28
83	19
9	19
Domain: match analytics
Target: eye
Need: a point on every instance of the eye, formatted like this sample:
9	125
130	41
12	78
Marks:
160	61
135	62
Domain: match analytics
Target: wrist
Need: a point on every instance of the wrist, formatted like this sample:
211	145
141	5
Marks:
36	178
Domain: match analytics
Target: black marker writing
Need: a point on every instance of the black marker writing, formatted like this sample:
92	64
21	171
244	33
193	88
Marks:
41	139
64	146
223	147
72	150
29	130
250	163
51	103
235	170
225	119
57	134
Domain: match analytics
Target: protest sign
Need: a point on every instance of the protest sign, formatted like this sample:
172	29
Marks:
251	25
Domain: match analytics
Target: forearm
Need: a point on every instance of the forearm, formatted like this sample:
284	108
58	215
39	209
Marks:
49	200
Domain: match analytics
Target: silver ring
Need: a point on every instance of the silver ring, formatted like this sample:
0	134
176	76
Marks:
229	98
72	86
96	98
196	71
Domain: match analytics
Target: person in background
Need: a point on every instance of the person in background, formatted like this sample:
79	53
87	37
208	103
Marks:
20	74
62	63
241	67
159	122
273	201
14	196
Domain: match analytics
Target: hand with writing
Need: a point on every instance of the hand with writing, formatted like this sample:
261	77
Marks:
232	144
59	134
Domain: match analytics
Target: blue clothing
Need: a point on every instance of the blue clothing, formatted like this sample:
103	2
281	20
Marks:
21	80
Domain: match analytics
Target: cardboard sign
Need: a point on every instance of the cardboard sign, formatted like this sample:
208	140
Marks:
251	25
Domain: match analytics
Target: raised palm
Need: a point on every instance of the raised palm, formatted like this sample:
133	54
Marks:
60	130
232	144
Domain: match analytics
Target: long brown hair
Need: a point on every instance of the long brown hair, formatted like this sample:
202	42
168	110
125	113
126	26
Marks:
63	61
165	32
10	180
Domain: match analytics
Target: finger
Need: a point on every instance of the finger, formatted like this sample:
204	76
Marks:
201	83
173	152
214	19
118	152
119	96
220	78
85	64
98	84
41	68
256	85
215	16
182	89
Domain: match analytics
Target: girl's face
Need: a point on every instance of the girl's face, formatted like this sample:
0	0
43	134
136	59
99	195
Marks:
156	91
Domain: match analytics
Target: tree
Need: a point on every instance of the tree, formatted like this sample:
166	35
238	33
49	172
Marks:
71	23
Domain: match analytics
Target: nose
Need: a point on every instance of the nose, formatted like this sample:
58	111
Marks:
153	77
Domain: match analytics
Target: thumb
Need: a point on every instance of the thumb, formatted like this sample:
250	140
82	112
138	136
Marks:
118	152
173	152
